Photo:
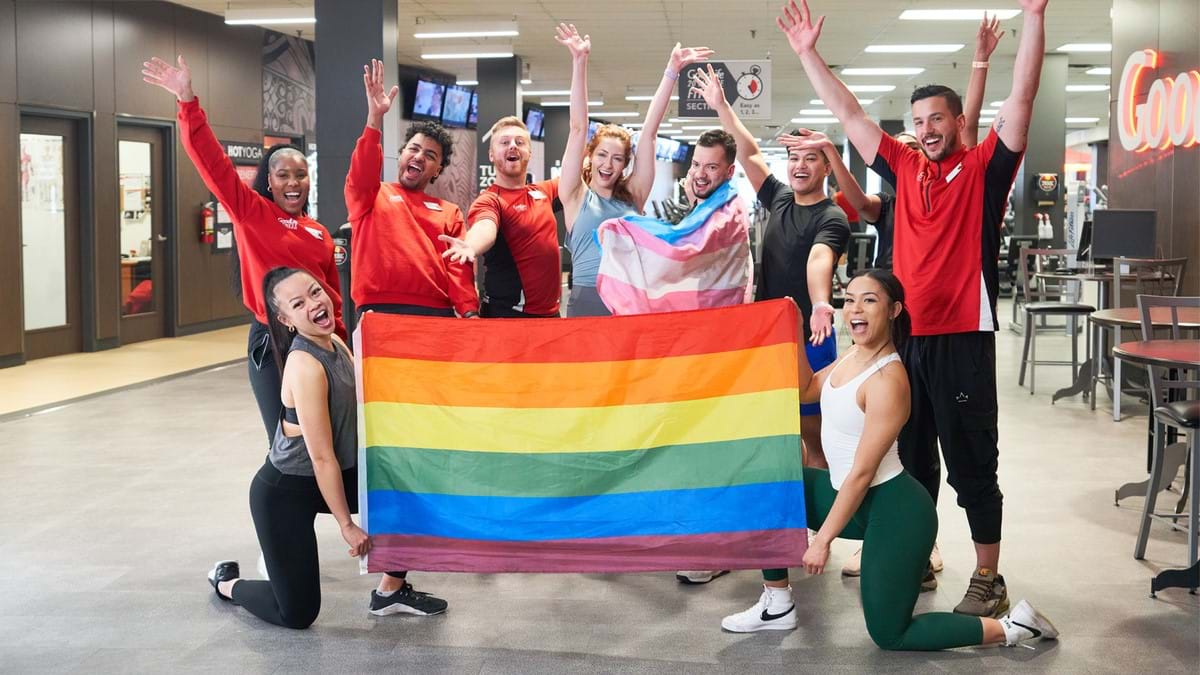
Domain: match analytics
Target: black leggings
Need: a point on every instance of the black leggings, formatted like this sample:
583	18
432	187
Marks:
265	380
284	508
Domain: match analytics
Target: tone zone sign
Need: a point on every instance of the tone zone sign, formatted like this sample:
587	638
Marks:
1171	113
746	85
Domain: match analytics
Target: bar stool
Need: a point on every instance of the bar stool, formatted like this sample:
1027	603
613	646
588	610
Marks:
1040	304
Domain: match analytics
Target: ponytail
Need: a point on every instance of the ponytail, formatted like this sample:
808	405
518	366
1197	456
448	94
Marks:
901	326
281	336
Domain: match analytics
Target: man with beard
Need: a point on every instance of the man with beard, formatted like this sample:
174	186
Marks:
396	263
949	206
512	225
805	225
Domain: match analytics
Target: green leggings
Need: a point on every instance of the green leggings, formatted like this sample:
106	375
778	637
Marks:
897	525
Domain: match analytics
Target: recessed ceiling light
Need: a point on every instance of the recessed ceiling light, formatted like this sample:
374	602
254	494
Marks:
685	138
646	98
996	104
882	71
468	52
467	83
816	112
956	14
278	16
814	120
913	49
861	101
547	92
608	113
527	81
567	104
1082	120
466	29
1086	47
1099	70
695	128
868	88
1087	87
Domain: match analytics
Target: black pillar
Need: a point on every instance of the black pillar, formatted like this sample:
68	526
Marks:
499	91
558	126
1045	150
349	34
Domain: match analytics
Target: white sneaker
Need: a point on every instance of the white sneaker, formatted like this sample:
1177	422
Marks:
773	611
262	567
1026	624
699	576
935	559
853	566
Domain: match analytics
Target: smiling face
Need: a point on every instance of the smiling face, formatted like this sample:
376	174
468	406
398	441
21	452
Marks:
710	169
937	127
288	180
420	162
301	303
806	171
868	311
509	152
608	161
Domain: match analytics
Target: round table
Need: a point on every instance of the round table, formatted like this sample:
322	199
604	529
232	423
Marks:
1118	319
1179	355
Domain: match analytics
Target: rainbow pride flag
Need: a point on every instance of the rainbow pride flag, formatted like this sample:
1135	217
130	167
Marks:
616	444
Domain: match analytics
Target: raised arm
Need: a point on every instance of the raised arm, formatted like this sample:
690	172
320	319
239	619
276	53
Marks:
802	34
199	141
805	139
570	185
366	162
642	179
985	43
886	406
708	85
1012	122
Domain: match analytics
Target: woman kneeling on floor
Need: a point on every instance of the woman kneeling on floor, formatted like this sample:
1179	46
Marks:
311	467
866	494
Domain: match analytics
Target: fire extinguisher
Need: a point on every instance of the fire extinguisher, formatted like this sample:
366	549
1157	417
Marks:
208	223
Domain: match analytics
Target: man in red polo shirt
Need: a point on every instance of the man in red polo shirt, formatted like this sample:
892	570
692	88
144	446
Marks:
949	208
512	225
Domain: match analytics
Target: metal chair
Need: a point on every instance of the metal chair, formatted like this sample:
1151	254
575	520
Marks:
1138	276
1183	415
1012	267
1043	300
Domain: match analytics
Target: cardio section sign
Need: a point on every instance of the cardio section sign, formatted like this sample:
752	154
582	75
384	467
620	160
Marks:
746	85
1171	113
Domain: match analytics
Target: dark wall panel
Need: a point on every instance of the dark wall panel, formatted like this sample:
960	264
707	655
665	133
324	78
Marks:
107	283
142	30
8	52
235	91
191	40
11	329
103	57
54	54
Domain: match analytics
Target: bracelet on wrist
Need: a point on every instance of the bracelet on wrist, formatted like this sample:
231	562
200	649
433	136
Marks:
979	64
822	305
670	73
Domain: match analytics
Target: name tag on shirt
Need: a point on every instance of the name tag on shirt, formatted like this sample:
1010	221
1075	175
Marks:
315	232
433	206
954	173
537	194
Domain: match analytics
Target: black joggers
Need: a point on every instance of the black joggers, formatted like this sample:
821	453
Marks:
953	381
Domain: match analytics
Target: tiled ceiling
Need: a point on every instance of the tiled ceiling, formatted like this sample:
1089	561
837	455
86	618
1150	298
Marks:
631	41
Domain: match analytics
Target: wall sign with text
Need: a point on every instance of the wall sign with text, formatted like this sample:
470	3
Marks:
747	86
1171	113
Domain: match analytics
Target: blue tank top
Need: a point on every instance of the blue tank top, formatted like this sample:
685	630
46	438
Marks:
581	242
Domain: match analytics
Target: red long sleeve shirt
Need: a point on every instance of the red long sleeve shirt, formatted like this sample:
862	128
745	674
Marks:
397	257
267	236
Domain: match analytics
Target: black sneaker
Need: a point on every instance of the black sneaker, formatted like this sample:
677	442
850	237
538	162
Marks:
929	583
224	570
407	600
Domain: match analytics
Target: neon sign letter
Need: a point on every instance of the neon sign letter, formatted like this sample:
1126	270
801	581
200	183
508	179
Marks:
1171	113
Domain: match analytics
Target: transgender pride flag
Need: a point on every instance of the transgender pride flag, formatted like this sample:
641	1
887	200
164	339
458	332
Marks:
648	265
615	444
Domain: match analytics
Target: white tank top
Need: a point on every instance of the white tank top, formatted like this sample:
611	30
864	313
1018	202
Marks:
842	426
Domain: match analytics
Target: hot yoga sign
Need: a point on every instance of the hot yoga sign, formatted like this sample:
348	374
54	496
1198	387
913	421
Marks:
1171	113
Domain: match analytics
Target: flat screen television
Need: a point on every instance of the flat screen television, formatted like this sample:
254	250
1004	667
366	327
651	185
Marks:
457	106
1128	233
473	115
593	125
427	102
535	119
681	153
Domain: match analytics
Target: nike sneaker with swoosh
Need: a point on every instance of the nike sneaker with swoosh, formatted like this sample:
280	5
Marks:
773	611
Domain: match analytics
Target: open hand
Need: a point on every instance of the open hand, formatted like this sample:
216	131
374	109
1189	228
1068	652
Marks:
177	80
688	190
457	250
821	324
816	557
796	23
378	103
805	139
567	36
708	85
988	37
681	57
358	540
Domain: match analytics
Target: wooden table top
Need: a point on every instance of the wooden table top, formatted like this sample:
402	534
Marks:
1168	353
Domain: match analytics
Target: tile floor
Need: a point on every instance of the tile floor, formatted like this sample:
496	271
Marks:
113	509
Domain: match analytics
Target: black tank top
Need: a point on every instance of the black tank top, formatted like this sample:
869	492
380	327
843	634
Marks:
289	454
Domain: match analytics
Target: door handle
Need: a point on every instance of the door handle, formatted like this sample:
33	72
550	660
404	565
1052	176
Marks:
161	237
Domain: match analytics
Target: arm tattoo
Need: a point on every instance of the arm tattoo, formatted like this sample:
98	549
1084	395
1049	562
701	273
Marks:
999	123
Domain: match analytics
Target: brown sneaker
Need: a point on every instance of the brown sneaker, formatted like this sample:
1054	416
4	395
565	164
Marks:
987	595
929	583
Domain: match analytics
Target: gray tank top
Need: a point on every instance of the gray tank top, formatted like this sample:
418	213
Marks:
290	454
581	242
